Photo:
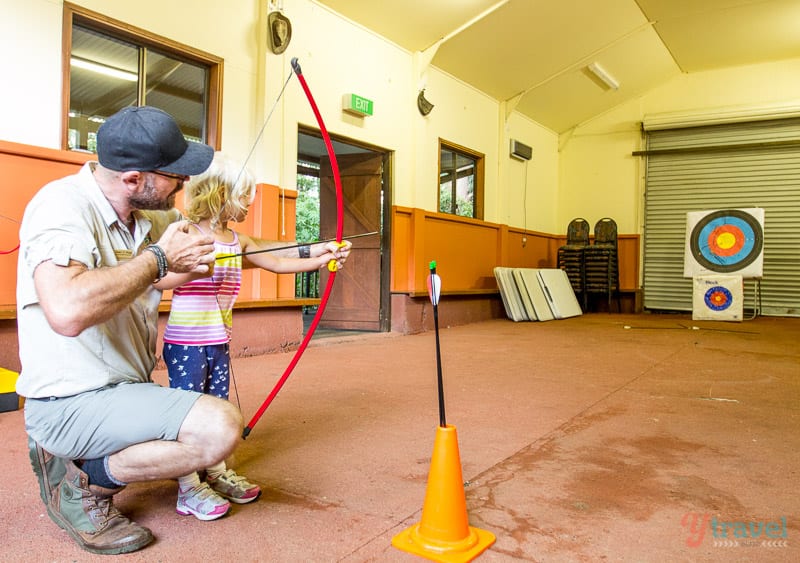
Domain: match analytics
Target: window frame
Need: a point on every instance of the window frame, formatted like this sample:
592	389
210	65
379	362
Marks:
478	185
77	15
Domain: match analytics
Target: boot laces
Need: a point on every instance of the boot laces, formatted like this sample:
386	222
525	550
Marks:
103	510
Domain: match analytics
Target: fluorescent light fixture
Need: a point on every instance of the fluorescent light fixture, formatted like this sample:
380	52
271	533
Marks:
603	75
103	69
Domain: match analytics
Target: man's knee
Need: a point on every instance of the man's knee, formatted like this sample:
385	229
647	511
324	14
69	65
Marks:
214	425
231	422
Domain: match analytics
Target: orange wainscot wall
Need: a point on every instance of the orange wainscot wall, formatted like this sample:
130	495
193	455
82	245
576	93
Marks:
467	251
268	316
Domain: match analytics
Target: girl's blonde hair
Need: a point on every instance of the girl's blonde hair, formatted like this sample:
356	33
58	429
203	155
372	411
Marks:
221	193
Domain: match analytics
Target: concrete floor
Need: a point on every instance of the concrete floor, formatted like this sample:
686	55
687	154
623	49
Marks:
596	438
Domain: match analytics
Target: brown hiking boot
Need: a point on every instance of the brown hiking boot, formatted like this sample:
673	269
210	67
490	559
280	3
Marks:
48	468
88	514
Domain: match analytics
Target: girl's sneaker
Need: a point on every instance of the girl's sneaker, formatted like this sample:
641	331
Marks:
233	487
203	502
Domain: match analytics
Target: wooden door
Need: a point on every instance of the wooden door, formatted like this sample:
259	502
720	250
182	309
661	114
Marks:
355	301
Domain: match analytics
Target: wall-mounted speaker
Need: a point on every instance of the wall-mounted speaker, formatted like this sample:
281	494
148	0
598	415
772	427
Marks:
520	151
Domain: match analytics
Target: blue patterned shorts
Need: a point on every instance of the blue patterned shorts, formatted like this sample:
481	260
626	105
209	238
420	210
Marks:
205	369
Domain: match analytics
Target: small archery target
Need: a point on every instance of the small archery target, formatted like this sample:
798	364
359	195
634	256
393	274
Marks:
725	241
718	298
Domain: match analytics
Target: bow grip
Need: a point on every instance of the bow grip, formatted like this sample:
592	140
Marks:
332	266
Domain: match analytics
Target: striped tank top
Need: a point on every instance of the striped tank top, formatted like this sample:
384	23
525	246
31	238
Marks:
201	312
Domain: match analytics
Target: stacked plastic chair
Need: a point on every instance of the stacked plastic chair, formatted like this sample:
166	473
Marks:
571	257
601	262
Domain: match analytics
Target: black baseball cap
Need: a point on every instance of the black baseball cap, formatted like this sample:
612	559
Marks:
147	138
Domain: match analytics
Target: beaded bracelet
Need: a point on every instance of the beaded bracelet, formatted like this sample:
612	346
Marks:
161	260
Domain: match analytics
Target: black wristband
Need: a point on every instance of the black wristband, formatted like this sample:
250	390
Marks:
161	260
304	251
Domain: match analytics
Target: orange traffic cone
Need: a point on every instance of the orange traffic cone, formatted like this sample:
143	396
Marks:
443	533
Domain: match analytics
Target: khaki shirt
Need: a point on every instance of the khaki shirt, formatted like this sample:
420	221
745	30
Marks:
70	219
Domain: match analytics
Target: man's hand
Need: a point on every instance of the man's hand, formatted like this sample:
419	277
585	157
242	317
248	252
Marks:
187	249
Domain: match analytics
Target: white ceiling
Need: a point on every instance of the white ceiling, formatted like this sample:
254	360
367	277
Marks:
534	53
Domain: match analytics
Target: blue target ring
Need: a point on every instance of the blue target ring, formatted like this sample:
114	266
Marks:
742	233
718	298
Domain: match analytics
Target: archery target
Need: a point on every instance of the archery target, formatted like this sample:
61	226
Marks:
718	298
726	241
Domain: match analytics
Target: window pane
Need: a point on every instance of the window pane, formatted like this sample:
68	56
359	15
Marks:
446	198
465	171
179	88
448	159
447	166
103	80
179	79
456	183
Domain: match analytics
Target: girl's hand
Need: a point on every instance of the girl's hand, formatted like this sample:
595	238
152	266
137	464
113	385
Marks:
339	253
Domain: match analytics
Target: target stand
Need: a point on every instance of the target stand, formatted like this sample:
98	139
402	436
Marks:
720	245
756	298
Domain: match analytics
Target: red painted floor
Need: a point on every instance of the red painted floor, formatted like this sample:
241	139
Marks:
597	438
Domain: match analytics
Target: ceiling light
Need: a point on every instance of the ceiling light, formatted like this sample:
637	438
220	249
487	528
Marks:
103	69
603	75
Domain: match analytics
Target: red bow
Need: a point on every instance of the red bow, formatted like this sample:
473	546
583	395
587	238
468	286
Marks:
339	230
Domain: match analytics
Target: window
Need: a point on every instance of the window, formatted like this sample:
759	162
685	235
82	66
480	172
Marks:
110	65
460	181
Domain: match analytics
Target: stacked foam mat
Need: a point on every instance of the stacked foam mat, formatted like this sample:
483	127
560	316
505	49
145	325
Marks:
533	294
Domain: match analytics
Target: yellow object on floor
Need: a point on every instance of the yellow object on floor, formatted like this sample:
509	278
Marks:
9	400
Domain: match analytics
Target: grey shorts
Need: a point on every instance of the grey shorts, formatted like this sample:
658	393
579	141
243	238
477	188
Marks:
98	423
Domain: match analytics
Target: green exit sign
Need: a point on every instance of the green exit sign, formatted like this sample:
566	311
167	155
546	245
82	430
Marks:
354	103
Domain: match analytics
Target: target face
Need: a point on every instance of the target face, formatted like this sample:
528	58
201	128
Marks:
725	241
718	298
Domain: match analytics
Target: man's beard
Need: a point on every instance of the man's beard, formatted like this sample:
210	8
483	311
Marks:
147	198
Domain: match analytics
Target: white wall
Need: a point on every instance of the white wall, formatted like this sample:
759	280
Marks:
337	57
588	172
30	97
528	196
598	175
461	115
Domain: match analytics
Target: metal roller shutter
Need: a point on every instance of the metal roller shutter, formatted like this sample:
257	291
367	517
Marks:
740	165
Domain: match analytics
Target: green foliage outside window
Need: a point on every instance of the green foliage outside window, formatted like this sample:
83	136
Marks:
307	220
307	230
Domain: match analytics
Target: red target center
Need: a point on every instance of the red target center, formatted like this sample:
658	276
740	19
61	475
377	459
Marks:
718	298
726	240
